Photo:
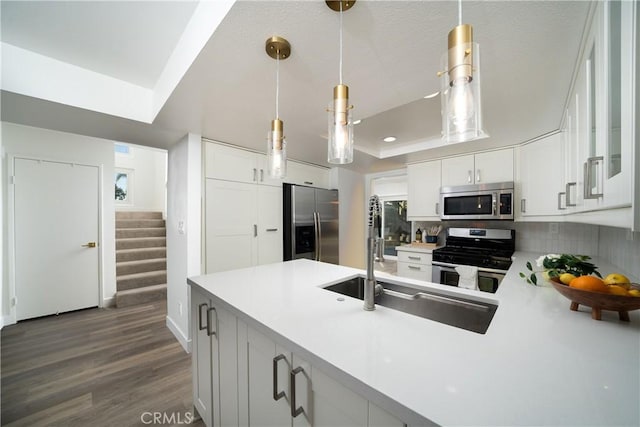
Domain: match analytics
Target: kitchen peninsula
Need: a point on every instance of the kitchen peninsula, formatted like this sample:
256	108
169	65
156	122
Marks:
538	363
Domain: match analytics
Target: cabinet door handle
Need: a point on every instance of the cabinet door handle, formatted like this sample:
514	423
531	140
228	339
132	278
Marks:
568	194
469	177
417	258
209	322
589	166
437	208
477	175
200	325
308	183
560	200
255	174
277	395
292	381
272	229
261	175
523	205
413	267
255	230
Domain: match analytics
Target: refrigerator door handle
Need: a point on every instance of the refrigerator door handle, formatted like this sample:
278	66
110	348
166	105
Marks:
319	238
315	235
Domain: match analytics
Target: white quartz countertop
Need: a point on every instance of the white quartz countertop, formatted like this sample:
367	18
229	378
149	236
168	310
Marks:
416	248
538	364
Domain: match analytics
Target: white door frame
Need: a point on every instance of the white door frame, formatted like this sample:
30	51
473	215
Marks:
11	248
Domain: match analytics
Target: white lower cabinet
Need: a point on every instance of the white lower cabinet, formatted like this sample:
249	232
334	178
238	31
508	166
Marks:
214	362
243	225
242	377
414	265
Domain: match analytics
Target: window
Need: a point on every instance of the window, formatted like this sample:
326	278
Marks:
123	186
396	230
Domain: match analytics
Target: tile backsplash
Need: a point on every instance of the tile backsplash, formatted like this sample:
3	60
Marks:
618	246
621	248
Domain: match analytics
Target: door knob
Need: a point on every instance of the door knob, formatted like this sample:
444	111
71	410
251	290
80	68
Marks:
90	245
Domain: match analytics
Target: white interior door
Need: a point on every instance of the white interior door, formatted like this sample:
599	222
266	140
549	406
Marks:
56	214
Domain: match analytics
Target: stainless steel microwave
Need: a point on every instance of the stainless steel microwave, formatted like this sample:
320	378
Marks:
478	202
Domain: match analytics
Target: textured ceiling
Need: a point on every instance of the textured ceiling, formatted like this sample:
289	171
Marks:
392	51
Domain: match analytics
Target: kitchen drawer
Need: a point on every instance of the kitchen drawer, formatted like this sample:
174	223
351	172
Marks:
414	257
415	271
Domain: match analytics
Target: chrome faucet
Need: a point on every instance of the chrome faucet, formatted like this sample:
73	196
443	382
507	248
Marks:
375	223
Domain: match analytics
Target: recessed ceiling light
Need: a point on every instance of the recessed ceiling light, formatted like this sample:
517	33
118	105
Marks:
357	122
433	95
389	139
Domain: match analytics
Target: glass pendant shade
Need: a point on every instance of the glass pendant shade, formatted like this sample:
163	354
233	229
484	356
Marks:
461	106
340	147
276	151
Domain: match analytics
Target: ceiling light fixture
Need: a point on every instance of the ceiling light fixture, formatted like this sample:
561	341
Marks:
389	139
432	95
340	149
278	48
357	122
461	112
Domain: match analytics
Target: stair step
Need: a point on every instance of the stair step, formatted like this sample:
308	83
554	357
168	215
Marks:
140	232
137	215
140	266
123	255
141	295
141	242
140	280
139	223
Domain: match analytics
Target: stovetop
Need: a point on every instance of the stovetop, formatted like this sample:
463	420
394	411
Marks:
478	247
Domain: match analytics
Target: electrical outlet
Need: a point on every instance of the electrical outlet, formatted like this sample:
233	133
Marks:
180	227
180	308
553	227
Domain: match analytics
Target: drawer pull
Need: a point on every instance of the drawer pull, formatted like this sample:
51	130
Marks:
413	267
417	258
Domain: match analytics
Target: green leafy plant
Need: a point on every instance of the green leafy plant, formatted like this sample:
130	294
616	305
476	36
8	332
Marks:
553	265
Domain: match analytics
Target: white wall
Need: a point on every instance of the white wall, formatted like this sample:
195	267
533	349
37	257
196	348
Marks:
148	181
52	145
351	193
183	248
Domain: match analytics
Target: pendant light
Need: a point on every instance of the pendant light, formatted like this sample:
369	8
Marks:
340	149
461	108
278	48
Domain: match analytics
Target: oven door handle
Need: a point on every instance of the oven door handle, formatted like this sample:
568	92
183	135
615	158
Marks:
480	269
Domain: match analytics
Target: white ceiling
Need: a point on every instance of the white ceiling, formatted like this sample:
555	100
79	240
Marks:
392	52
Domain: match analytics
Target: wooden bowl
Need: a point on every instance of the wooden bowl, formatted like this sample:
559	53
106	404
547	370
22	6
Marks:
598	301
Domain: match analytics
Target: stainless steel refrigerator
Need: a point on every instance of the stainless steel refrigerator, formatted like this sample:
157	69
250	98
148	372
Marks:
310	223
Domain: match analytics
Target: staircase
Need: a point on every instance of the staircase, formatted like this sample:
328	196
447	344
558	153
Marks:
141	258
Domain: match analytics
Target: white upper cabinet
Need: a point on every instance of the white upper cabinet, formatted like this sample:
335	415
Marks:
233	164
491	166
423	195
541	177
599	119
303	174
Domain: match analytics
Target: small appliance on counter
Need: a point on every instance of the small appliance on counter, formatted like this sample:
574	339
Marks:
489	250
310	225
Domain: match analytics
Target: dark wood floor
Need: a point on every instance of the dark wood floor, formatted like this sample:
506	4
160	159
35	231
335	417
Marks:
96	367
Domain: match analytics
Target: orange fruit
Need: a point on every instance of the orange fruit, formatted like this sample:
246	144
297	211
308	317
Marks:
633	293
589	283
617	290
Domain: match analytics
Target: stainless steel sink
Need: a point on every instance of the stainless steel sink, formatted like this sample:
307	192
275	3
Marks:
455	311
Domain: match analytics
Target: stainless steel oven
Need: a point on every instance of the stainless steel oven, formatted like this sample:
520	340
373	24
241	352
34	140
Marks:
445	274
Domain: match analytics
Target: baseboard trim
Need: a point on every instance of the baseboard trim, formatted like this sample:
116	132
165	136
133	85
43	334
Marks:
6	321
180	336
109	302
